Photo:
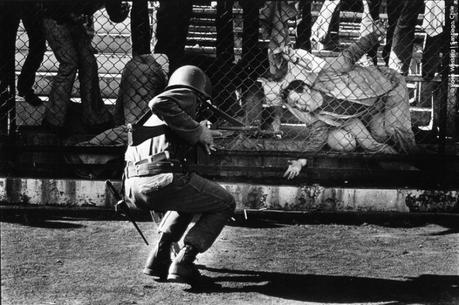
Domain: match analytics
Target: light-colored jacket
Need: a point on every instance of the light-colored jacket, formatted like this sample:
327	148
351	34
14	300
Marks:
340	77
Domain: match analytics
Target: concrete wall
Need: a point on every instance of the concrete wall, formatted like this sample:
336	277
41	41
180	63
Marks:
82	193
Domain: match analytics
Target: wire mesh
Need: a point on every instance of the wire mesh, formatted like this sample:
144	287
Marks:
346	76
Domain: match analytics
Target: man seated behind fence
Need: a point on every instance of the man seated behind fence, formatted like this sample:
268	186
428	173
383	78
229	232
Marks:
344	104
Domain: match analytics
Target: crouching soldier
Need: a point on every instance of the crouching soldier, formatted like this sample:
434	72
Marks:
157	178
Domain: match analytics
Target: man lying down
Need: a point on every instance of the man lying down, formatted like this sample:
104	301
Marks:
343	104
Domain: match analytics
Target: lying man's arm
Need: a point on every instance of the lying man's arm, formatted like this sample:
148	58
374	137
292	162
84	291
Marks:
348	57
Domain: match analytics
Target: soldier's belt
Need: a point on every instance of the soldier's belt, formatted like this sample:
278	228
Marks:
151	169
162	156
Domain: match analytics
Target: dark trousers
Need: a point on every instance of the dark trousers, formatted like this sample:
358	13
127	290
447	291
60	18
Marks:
250	35
431	60
303	30
72	47
227	76
187	195
10	16
431	64
173	19
402	17
140	28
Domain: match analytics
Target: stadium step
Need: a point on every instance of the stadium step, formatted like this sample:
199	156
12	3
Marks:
107	63
28	115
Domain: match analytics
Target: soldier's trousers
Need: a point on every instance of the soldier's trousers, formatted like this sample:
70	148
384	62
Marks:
187	195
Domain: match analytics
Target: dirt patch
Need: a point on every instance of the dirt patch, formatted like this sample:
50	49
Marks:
97	261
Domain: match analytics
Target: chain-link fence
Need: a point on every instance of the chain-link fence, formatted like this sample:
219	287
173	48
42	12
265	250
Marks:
312	77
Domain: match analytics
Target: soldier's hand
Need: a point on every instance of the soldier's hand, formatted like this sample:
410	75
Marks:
207	137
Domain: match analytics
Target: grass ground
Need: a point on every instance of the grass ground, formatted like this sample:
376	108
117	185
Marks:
95	260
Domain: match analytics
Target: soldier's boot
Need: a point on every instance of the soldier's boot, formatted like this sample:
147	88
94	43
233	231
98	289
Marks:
159	259
183	269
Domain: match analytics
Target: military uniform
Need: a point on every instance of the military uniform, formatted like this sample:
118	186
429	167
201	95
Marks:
157	178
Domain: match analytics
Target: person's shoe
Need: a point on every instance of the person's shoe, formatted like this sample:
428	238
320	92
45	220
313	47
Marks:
182	269
31	98
159	260
159	269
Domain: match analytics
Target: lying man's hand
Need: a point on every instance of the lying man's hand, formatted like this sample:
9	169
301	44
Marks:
294	168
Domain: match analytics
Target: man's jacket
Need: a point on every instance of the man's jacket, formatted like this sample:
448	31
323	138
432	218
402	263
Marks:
341	77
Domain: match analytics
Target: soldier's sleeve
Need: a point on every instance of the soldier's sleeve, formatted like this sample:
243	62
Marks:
175	110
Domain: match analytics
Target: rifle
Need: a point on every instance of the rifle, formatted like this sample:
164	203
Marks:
121	208
256	130
138	133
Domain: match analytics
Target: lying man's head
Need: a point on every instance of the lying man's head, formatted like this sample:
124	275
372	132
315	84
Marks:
298	95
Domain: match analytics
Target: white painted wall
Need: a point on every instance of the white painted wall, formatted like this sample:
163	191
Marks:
77	193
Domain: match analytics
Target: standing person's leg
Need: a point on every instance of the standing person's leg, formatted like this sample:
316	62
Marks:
303	29
140	28
402	42
225	34
430	65
61	42
94	115
374	13
393	12
33	23
9	23
224	75
173	18
331	41
251	26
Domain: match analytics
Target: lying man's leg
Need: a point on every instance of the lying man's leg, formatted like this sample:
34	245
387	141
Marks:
365	139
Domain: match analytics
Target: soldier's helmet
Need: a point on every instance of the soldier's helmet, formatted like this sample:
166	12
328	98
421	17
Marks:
191	77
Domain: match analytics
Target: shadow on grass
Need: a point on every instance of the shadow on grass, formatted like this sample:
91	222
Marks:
446	232
432	289
385	219
248	218
39	222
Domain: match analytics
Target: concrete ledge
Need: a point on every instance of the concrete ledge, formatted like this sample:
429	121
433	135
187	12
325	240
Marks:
93	193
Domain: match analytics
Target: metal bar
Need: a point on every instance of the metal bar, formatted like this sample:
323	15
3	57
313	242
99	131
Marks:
445	80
